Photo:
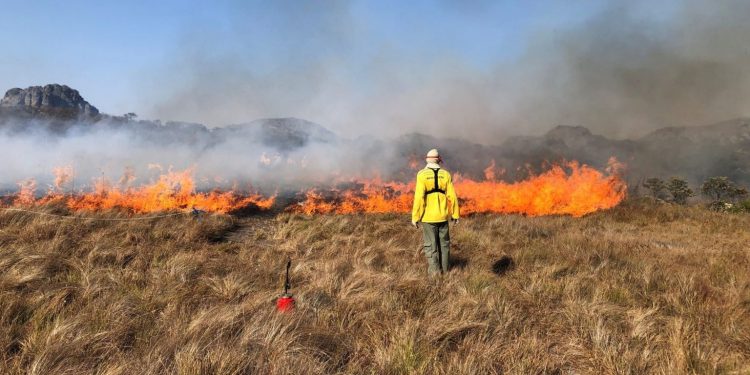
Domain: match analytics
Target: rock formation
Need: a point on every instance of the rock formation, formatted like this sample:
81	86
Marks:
51	99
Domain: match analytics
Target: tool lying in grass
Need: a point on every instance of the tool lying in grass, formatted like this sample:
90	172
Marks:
285	303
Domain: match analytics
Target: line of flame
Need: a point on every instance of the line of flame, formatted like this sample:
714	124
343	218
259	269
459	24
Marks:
570	189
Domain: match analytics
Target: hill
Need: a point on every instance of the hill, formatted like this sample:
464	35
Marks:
50	100
283	134
694	153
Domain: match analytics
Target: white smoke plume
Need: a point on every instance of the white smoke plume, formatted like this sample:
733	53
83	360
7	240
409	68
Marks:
632	67
289	154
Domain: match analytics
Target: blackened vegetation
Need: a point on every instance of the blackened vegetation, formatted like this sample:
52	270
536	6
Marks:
502	265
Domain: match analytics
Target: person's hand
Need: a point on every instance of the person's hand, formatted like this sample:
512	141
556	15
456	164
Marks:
455	221
415	224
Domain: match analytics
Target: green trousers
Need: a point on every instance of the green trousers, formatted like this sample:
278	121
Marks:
437	246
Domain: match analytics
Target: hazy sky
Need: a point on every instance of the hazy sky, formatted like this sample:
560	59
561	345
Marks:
107	48
401	65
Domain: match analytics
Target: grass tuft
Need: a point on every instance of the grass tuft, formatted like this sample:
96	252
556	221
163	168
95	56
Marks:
642	288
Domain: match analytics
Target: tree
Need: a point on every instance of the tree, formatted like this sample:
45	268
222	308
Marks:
722	189
680	190
130	116
656	186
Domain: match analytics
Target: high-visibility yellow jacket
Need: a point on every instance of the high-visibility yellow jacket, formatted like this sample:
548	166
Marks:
431	205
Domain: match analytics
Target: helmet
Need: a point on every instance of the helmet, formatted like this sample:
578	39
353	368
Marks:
433	156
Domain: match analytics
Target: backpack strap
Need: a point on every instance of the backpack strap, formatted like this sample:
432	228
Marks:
436	188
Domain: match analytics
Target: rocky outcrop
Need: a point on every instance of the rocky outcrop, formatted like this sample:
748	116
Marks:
51	99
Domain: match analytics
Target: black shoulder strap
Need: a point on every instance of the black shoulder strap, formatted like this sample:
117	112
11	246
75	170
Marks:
436	188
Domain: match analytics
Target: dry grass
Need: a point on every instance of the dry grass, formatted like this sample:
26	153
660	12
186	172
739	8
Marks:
638	289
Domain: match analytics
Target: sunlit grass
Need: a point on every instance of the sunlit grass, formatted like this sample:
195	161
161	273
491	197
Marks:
641	288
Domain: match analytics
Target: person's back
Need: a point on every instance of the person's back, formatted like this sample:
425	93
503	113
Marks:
435	203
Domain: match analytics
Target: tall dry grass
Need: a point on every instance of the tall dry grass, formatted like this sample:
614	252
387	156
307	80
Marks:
639	289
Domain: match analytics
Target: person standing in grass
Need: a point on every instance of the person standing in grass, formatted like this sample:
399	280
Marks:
435	204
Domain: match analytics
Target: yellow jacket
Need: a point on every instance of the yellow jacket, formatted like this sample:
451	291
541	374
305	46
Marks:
435	207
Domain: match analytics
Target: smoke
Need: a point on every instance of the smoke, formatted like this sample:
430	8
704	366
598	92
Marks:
626	69
622	74
266	155
630	67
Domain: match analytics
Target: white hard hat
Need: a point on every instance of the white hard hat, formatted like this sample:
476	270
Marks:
433	156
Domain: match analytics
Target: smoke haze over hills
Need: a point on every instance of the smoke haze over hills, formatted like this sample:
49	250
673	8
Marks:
627	69
612	75
293	153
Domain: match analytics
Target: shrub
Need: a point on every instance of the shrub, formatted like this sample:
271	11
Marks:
742	206
722	206
657	187
680	190
722	189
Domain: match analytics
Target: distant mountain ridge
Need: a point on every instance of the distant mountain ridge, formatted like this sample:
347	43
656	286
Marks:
694	153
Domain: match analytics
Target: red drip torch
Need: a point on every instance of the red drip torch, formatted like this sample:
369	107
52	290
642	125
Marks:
285	303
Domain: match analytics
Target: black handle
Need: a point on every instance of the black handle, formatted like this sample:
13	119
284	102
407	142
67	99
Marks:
287	285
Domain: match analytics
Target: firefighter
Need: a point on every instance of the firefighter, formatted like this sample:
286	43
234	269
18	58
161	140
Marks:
435	204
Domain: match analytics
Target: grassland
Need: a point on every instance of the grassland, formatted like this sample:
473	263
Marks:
643	288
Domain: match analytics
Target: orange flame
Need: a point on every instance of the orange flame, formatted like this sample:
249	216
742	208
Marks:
489	172
413	162
25	196
568	189
63	175
577	191
172	191
128	176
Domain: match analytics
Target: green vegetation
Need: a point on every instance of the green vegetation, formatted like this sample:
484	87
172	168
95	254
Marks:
722	189
679	190
656	187
724	194
675	191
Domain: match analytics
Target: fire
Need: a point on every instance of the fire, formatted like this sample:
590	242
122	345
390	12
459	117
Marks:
374	196
413	162
174	190
569	189
63	175
128	176
25	196
491	173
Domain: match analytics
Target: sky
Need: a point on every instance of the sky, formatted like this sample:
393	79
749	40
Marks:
106	48
355	66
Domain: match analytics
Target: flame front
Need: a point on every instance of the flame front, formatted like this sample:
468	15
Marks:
172	191
569	189
577	192
572	189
